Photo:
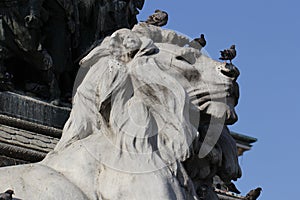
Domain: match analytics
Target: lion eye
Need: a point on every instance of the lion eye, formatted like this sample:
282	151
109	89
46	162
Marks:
183	59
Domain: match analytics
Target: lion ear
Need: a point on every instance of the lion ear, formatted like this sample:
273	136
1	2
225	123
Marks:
124	44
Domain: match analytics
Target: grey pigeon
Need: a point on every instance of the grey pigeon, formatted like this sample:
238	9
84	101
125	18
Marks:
201	40
159	18
7	195
253	194
232	188
228	54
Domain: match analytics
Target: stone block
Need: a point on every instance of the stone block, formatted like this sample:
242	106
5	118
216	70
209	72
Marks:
33	110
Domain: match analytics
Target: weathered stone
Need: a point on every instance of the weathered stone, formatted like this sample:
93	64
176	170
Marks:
25	145
21	153
22	139
135	122
6	136
7	161
33	110
42	138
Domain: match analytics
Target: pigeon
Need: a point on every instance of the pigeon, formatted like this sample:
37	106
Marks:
201	40
159	18
232	188
253	194
7	195
228	54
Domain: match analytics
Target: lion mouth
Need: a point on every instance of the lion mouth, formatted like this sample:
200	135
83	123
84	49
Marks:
218	104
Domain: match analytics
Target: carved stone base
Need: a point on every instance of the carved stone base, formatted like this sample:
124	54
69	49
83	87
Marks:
29	128
32	110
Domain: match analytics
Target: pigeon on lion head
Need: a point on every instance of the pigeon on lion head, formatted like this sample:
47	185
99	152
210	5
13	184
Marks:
135	124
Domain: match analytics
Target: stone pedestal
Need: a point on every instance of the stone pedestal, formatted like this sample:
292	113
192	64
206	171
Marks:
33	110
29	128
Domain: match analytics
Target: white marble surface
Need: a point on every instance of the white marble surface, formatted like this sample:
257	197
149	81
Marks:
134	124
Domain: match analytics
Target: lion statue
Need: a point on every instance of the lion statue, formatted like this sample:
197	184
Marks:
148	122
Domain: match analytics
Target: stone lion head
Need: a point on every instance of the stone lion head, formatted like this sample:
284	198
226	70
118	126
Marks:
151	74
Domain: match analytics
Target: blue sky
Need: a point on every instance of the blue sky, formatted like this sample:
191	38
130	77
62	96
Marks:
267	38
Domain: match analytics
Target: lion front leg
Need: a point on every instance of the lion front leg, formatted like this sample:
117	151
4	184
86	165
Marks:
36	181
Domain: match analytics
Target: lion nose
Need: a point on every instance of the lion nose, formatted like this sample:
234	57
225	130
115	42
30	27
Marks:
231	71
